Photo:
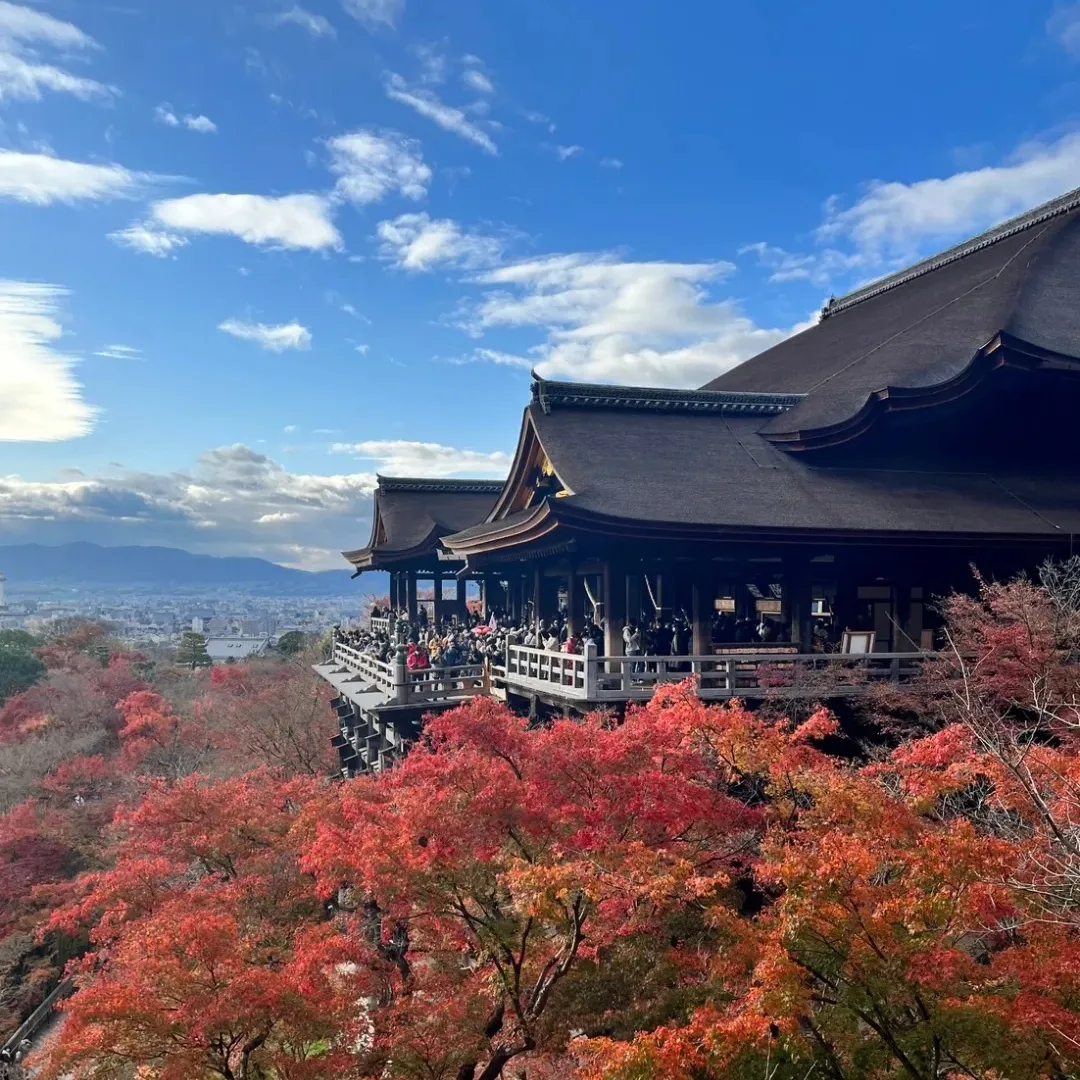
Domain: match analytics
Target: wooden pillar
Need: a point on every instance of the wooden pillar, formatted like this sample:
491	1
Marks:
798	602
572	589
438	613
614	600
410	594
463	599
537	596
704	593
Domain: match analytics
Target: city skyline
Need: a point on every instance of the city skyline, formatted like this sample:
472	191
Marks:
257	255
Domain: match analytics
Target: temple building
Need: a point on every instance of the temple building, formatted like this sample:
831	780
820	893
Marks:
411	516
829	487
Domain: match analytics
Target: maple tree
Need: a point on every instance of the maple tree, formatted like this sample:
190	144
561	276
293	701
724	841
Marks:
692	893
271	713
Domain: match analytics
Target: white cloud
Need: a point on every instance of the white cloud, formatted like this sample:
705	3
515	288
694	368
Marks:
120	352
163	114
428	105
22	79
818	268
640	323
23	75
375	13
18	23
1064	26
147	239
41	179
417	242
564	153
372	164
493	356
290	429
363	350
478	81
299	222
221	506
272	338
894	221
315	25
610	163
540	118
40	398
201	124
404	458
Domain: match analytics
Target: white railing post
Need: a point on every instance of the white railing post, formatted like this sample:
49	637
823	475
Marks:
591	670
400	675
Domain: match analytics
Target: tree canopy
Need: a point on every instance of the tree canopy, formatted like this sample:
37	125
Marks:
688	893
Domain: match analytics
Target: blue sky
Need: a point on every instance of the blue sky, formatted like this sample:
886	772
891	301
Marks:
254	252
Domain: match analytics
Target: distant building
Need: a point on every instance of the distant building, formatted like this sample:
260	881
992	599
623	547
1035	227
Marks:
3	592
223	649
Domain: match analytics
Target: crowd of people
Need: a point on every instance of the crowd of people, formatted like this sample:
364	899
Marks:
477	640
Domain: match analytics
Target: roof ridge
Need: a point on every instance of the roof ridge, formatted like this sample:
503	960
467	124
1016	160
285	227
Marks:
1063	204
435	484
597	395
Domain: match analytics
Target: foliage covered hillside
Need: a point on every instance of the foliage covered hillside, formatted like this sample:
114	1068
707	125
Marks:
692	893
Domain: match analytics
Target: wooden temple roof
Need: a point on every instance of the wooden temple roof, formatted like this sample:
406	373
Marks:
923	326
411	515
937	403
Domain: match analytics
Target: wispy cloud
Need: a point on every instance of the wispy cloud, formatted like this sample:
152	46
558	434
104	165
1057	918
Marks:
148	239
371	164
1064	27
277	339
449	118
317	26
40	398
120	352
41	179
476	80
610	163
420	243
375	13
564	153
404	458
895	220
23	74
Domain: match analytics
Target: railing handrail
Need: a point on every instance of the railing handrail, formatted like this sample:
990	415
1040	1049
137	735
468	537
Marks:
587	676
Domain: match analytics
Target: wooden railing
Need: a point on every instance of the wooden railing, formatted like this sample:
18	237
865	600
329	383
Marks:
404	687
378	671
748	674
380	624
590	678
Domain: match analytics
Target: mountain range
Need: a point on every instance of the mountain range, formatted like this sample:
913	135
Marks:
83	565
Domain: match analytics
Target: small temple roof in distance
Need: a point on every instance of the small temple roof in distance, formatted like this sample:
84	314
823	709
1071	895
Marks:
924	325
412	513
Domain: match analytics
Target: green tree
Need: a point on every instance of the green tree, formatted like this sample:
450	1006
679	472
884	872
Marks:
192	651
19	667
292	643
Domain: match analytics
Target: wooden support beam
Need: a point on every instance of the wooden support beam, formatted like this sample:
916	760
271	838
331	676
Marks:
410	599
614	601
437	578
462	599
704	593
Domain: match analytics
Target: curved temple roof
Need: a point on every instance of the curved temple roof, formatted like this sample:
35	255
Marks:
923	326
984	327
411	514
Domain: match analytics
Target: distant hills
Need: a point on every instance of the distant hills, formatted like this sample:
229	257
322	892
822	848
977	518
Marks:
83	565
